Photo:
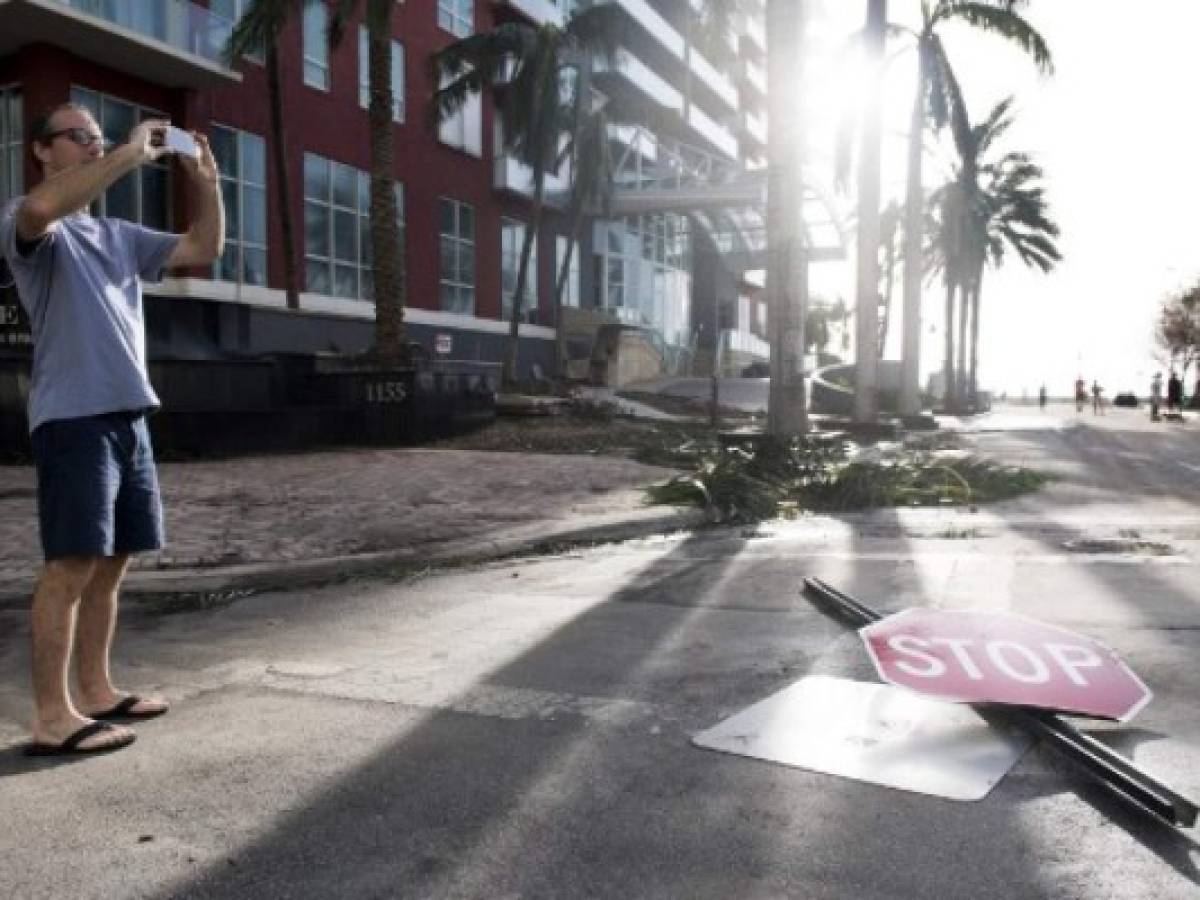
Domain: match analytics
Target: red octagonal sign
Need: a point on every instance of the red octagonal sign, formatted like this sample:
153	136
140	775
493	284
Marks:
981	657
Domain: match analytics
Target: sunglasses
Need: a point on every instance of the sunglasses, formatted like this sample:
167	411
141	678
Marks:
81	136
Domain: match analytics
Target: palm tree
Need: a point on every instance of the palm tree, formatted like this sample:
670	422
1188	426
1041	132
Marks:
1013	215
533	64
258	30
936	96
387	258
987	208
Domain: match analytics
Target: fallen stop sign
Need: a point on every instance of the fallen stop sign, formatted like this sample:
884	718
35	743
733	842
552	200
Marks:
981	657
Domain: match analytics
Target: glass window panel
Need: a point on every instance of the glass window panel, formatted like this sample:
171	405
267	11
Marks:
466	222
448	297
466	264
345	281
223	142
316	177
345	237
316	276
117	120
449	259
364	240
254	158
120	200
254	266
345	186
254	215
316	229
448	218
155	192
366	285
228	265
229	195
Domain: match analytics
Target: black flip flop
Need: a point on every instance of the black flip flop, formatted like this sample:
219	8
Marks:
71	744
124	710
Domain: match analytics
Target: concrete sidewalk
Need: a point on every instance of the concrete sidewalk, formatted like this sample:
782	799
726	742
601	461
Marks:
285	521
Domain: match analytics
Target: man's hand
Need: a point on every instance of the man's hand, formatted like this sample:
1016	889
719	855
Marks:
147	140
203	168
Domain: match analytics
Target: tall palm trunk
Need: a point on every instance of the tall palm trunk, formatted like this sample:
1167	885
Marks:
960	387
950	401
787	263
973	371
866	366
387	263
282	178
914	209
508	374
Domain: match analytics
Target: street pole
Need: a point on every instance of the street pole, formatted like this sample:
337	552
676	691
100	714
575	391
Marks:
787	252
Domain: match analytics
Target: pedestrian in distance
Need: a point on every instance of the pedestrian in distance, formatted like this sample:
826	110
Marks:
1080	394
1097	399
79	278
1042	397
1174	393
1156	386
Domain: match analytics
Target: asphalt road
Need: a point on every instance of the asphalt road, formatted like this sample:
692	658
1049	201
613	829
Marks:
524	729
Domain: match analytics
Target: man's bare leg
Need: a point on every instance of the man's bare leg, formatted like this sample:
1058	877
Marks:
53	624
94	637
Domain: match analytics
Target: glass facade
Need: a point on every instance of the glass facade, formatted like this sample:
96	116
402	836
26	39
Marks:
337	228
457	257
643	268
241	159
570	294
143	195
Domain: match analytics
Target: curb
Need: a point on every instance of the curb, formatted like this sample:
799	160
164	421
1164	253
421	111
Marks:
292	574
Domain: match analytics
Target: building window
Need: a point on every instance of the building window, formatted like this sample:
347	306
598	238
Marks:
570	293
12	175
337	228
232	11
143	195
464	129
241	159
457	257
512	238
364	81
316	44
456	17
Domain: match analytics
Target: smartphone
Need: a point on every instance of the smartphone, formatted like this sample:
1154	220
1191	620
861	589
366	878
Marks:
177	140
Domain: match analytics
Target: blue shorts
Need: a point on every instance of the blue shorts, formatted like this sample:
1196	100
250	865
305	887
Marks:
97	486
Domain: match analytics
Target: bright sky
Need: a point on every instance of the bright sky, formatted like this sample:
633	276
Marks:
1115	132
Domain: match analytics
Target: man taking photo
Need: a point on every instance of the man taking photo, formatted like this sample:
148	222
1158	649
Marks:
79	278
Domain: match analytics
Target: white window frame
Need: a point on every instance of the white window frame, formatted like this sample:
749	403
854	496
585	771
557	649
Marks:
96	102
12	142
512	236
315	40
236	241
456	16
458	244
364	80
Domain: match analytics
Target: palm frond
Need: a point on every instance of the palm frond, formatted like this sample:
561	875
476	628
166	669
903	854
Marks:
1001	19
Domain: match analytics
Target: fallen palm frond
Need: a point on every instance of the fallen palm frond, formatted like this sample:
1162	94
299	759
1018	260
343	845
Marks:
746	481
